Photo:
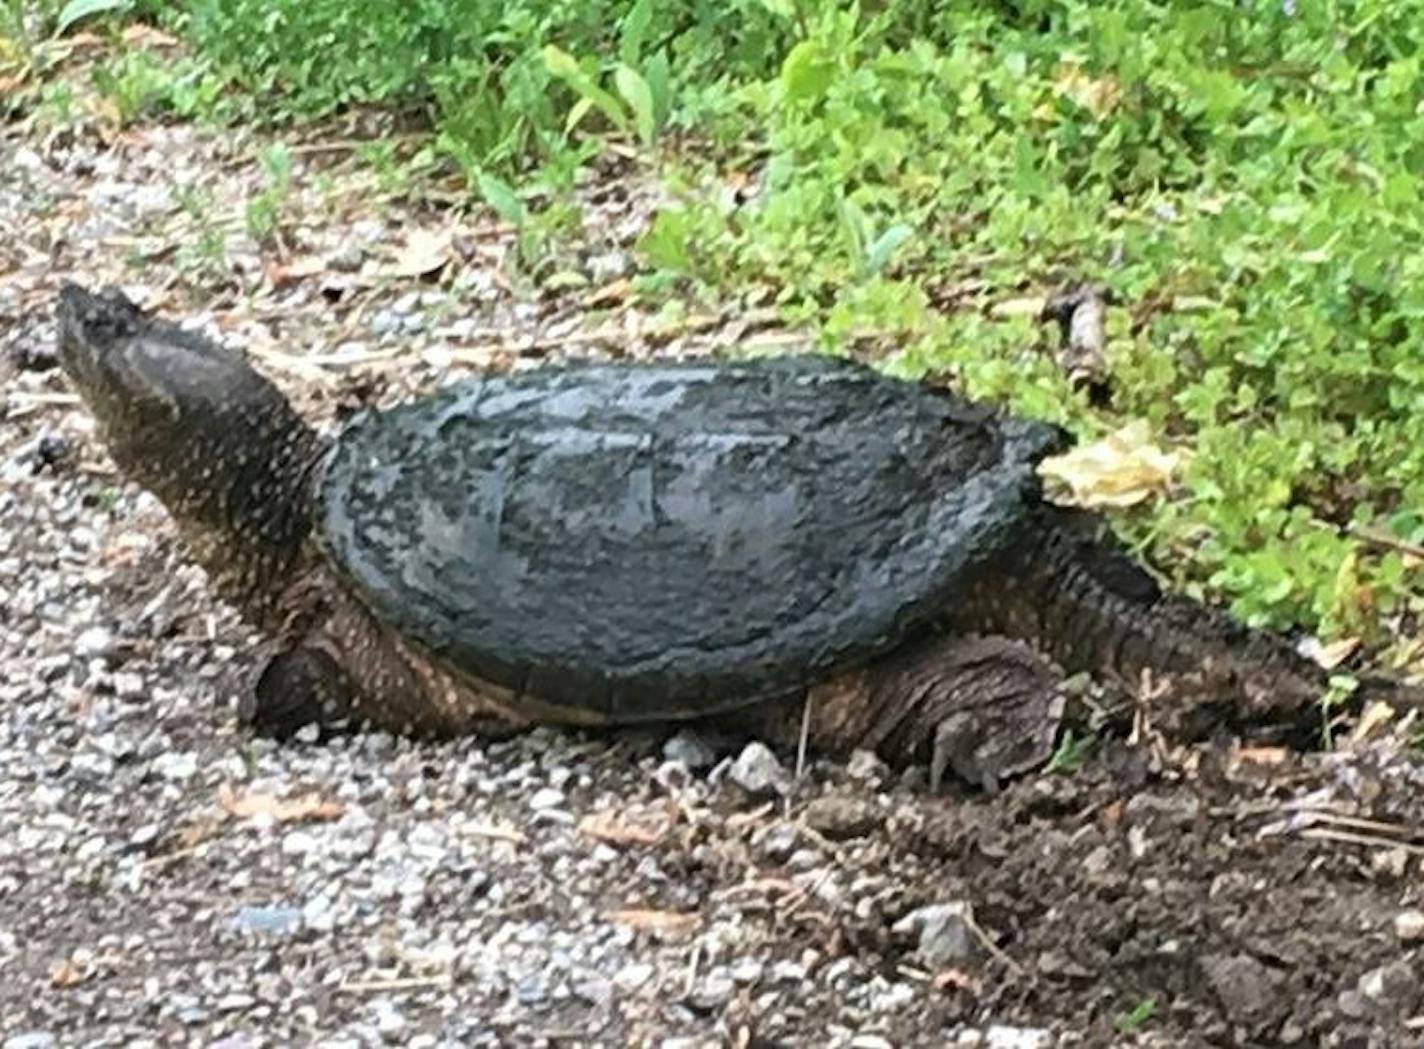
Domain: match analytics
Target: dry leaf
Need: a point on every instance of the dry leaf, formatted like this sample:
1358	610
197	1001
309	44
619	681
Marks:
956	980
279	274
1030	306
1122	469
67	974
1332	655
425	252
1098	96
139	35
1372	722
307	807
608	295
614	829
667	923
1262	755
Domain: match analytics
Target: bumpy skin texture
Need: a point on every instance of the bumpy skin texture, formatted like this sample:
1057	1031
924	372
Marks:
621	544
194	424
606	544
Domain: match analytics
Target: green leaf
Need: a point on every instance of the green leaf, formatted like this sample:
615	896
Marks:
806	73
501	196
560	63
639	96
857	229
660	84
664	245
563	65
883	247
78	9
634	31
577	112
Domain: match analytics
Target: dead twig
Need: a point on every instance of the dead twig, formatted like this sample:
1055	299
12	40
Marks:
406	983
1389	542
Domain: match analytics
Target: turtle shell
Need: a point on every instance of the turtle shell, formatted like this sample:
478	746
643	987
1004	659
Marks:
617	543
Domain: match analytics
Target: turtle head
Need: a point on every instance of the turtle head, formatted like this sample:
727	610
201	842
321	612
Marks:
197	426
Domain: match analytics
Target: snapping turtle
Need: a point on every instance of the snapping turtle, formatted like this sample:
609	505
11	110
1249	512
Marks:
606	544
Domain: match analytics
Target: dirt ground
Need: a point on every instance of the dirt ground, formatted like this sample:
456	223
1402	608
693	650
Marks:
166	879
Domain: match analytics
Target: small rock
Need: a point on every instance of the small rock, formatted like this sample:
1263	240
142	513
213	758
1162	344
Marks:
691	749
748	971
546	798
233	1003
299	843
175	768
128	685
278	920
1409	926
866	766
30	1040
1247	990
144	837
758	771
1001	1036
777	841
870	1041
714	990
94	643
632	976
1391	987
594	989
840	818
34	357
945	933
390	1024
347	259
52	450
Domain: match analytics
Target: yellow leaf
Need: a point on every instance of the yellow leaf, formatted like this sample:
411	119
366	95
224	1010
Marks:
307	807
613	828
1123	469
668	923
425	252
1098	97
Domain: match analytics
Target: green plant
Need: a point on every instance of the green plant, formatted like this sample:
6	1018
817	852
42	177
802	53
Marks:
1070	754
1134	1019
264	210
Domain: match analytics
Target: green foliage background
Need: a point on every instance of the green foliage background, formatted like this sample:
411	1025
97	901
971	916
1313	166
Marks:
1244	176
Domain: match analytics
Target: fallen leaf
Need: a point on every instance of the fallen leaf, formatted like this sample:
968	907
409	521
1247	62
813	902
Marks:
1262	755
1029	306
425	252
137	34
667	923
1098	95
1329	656
608	295
1123	469
615	829
1372	722
67	974
956	980
304	808
280	274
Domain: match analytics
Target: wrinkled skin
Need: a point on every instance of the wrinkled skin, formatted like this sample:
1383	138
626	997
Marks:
963	681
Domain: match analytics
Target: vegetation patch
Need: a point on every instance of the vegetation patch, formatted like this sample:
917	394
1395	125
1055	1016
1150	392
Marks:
909	180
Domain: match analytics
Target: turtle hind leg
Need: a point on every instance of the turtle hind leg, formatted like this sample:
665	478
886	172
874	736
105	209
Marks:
299	687
983	708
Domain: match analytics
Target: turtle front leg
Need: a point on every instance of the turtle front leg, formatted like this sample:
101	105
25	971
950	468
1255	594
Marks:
980	707
338	667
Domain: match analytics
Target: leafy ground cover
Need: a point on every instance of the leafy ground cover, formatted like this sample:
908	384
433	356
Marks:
909	179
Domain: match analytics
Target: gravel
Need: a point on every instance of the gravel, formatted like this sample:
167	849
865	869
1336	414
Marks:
167	879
